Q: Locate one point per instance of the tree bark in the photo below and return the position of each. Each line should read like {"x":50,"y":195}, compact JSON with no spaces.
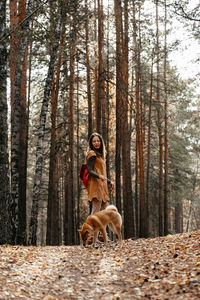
{"x":96,"y":66}
{"x":18,"y":111}
{"x":52,"y":237}
{"x":143,"y":222}
{"x":4,"y":164}
{"x":129,"y":230}
{"x":149,"y":140}
{"x":137,"y":206}
{"x":166,"y":131}
{"x":23,"y":145}
{"x":70,"y":198}
{"x":53,"y":222}
{"x":77,"y":240}
{"x":13,"y":205}
{"x":101,"y":122}
{"x":119,"y":43}
{"x":108,"y":103}
{"x":89,"y":97}
{"x":41,"y":134}
{"x":13,"y":48}
{"x":160,"y":138}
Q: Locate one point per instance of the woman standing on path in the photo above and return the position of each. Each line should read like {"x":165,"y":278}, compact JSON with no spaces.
{"x":98,"y":182}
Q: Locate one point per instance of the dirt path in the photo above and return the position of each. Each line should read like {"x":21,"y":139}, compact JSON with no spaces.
{"x":160,"y":268}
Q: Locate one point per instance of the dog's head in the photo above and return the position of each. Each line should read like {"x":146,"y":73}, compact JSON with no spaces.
{"x":86,"y":232}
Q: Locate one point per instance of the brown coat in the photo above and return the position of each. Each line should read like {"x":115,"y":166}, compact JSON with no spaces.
{"x":96,"y":187}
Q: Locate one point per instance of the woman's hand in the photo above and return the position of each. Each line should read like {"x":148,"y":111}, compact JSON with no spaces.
{"x":103,"y":178}
{"x":112,"y":185}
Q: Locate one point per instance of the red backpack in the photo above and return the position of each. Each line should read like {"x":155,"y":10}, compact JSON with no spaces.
{"x":84,"y":175}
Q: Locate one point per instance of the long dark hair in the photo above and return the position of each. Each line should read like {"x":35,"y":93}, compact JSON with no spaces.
{"x":101,"y":151}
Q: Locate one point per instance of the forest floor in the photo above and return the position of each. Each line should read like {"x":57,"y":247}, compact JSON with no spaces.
{"x":160,"y":268}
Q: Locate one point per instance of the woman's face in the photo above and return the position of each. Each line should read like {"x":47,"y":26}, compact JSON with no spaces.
{"x":96,"y":142}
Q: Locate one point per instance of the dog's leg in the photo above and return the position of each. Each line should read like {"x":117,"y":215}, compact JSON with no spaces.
{"x":116,"y":229}
{"x":111,"y":227}
{"x":119,"y":235}
{"x":103,"y":231}
{"x":95,"y":237}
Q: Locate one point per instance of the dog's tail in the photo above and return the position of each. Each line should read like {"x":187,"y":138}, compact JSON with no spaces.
{"x":112,"y":207}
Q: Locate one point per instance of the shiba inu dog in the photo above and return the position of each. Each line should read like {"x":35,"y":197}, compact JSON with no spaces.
{"x":97,"y":222}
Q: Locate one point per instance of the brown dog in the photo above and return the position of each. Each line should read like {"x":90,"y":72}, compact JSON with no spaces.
{"x":97,"y":223}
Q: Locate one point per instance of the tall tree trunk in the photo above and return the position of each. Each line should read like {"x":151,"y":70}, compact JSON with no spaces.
{"x":53,"y":222}
{"x":101,"y":123}
{"x":41,"y":134}
{"x":137,"y":206}
{"x":96,"y":66}
{"x":4,"y":169}
{"x":30,"y":56}
{"x":140,"y":152}
{"x":18,"y":197}
{"x":52,"y":237}
{"x":90,"y":126}
{"x":129,"y":229}
{"x":119,"y":43}
{"x":77,"y":240}
{"x":89,"y":97}
{"x":166,"y":131}
{"x":134,"y":58}
{"x":149,"y":140}
{"x":21,"y":232}
{"x":108,"y":101}
{"x":66,"y":148}
{"x":143,"y":222}
{"x":14,"y":38}
{"x":70,"y":217}
{"x":13,"y":48}
{"x":70,"y":199}
{"x":160,"y":197}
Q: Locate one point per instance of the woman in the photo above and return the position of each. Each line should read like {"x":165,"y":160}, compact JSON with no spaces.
{"x":98,"y":182}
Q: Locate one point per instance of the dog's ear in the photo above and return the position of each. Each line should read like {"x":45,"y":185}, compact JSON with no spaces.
{"x":89,"y":228}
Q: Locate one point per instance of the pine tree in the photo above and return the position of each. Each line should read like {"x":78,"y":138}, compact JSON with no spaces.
{"x":4,"y":166}
{"x":41,"y":132}
{"x":18,"y":136}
